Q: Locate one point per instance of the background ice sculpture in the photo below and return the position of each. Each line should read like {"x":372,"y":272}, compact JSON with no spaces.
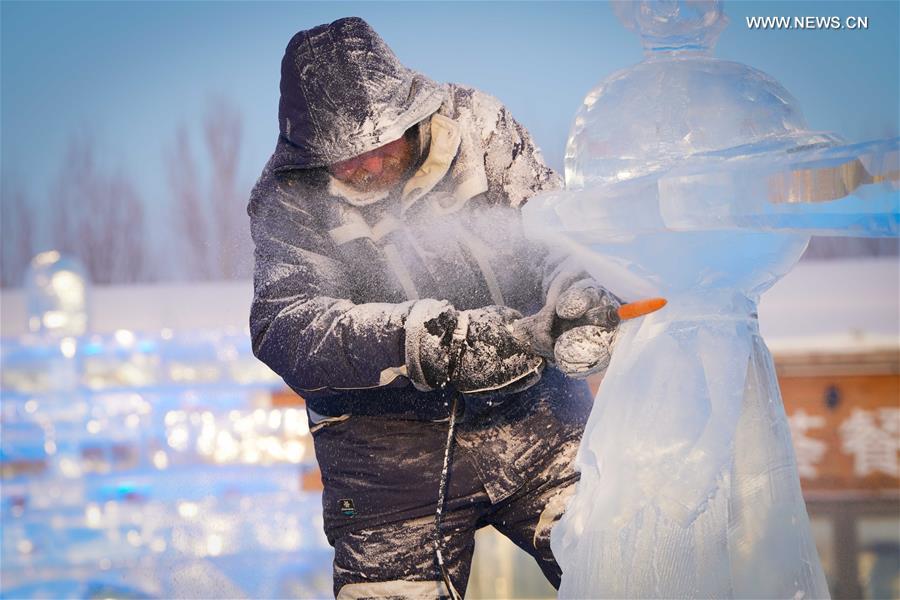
{"x":695,"y":179}
{"x":57,"y":288}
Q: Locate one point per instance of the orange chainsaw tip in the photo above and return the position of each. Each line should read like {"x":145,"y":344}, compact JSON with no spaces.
{"x":640,"y":308}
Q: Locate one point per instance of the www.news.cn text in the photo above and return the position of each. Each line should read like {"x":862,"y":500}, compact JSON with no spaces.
{"x":833,"y":22}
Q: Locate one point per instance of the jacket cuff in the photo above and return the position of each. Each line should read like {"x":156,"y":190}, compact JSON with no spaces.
{"x":427,"y":343}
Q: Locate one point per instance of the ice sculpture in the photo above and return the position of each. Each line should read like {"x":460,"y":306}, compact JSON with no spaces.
{"x":695,"y":179}
{"x":57,"y":290}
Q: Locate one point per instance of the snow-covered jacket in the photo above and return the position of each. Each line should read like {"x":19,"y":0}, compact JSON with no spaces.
{"x":341,"y":277}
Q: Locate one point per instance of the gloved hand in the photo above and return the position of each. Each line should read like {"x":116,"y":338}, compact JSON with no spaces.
{"x":474,"y":351}
{"x":588,"y":325}
{"x":491,"y":358}
{"x":575,"y":329}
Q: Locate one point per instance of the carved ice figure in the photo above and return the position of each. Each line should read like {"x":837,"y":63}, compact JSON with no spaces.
{"x":56,"y":289}
{"x":695,"y":179}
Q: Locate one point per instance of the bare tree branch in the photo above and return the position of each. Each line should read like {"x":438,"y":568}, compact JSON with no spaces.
{"x":223,"y":131}
{"x":99,"y":218}
{"x":211,"y":219}
{"x":17,"y":231}
{"x":190,"y":212}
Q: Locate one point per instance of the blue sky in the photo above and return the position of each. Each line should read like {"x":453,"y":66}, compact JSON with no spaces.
{"x":128,"y":74}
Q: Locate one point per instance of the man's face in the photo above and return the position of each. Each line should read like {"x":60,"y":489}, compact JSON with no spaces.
{"x":379,"y":169}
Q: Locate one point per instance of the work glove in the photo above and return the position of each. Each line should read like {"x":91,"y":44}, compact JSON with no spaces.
{"x":588,"y":323}
{"x":474,"y":351}
{"x":575,"y":329}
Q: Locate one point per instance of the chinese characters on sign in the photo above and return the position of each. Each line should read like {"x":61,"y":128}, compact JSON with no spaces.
{"x":872,"y":438}
{"x":808,"y":449}
{"x":845,"y":431}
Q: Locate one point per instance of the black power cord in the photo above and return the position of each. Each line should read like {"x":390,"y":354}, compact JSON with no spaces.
{"x":442,"y":498}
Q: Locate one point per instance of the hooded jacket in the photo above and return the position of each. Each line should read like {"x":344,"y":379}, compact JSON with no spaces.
{"x":341,"y":279}
{"x":343,"y":93}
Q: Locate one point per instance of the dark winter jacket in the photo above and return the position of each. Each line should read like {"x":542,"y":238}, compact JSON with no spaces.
{"x":341,"y":278}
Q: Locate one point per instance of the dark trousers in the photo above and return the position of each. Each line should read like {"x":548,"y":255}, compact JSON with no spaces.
{"x":512,"y":469}
{"x":383,"y":560}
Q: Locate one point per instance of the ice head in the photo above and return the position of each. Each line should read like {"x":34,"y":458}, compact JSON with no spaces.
{"x":673,"y":25}
{"x":682,"y":171}
{"x":669,"y":108}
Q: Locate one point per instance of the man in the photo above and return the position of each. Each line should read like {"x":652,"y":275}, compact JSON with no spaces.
{"x":391,"y":274}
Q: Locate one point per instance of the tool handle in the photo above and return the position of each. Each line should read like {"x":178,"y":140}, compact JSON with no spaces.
{"x":609,"y":317}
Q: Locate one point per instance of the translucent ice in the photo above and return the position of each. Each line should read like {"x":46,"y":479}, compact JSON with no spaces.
{"x":57,"y":290}
{"x":695,"y":179}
